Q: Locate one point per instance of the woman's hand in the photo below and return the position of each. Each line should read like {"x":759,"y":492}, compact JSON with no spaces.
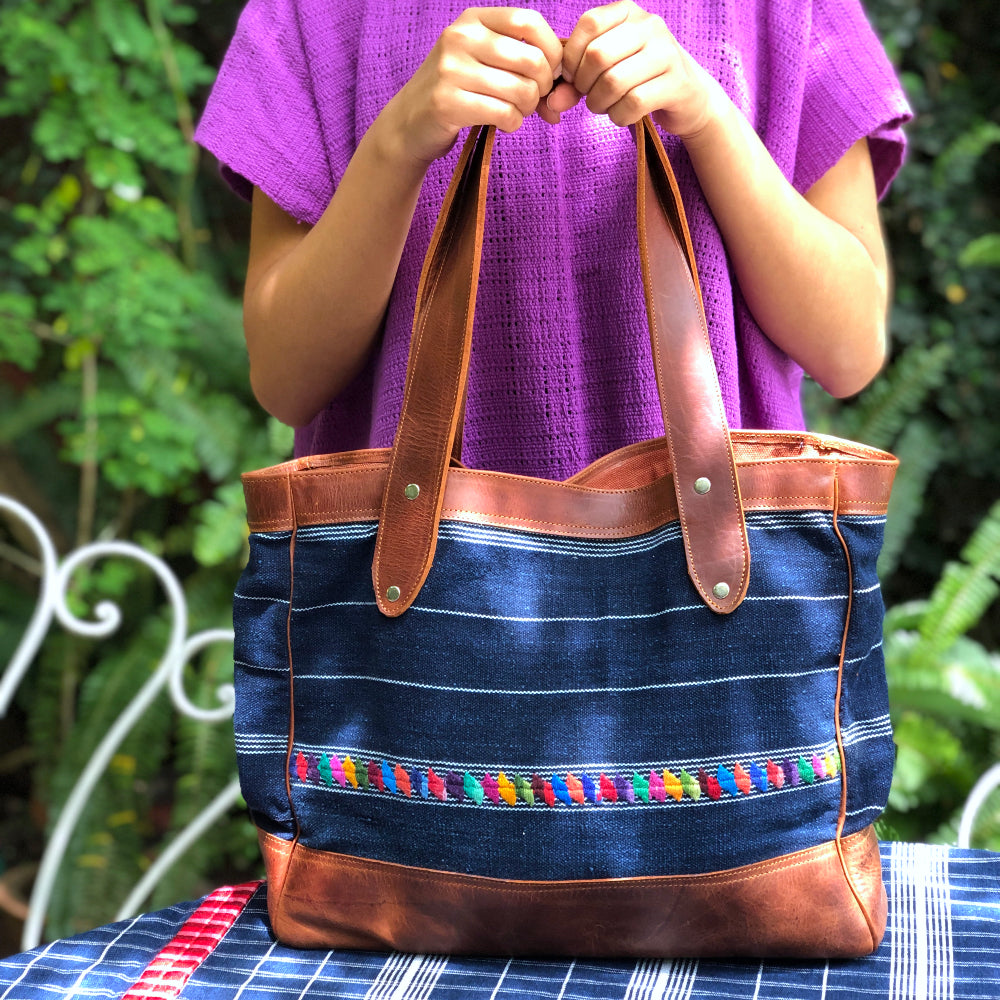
{"x":627,"y":64}
{"x":812,"y":268}
{"x":492,"y":66}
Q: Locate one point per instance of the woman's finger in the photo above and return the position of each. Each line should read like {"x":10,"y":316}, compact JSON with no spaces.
{"x":592,"y":24}
{"x":616,"y":83}
{"x":524,"y":26}
{"x":510,"y":55}
{"x":563,"y":97}
{"x":609,"y":49}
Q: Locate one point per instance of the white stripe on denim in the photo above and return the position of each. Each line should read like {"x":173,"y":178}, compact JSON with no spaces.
{"x":251,"y":744}
{"x":508,"y":618}
{"x":549,"y":692}
{"x":876,"y":809}
{"x":407,"y":977}
{"x":387,"y":975}
{"x":587,"y":550}
{"x":600,"y":548}
{"x":859,"y":659}
{"x":557,"y":619}
{"x":278,"y":668}
{"x":922,"y":964}
{"x":866,"y":729}
{"x":344,"y":532}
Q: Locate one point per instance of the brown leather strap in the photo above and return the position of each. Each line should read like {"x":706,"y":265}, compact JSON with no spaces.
{"x":436,"y":372}
{"x":694,"y":416}
{"x":693,"y":413}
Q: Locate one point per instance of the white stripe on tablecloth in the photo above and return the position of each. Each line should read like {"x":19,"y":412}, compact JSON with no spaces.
{"x":252,"y":978}
{"x":922,"y":963}
{"x":669,"y":980}
{"x":661,"y":980}
{"x":503,"y":976}
{"x":569,"y":973}
{"x":407,"y":977}
{"x":398,"y":969}
{"x":73,"y":990}
{"x":315,"y":976}
{"x":28,"y":966}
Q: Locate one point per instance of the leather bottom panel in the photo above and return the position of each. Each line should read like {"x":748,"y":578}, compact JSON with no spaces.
{"x":816,"y":903}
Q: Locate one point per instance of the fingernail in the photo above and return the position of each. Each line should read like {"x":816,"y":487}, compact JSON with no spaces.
{"x":567,"y":76}
{"x":557,"y":72}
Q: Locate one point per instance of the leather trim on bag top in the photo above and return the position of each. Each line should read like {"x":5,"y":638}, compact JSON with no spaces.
{"x":625,"y":497}
{"x":797,"y":905}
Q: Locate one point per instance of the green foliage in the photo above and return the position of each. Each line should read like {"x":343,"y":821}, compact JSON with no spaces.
{"x":945,"y":692}
{"x":935,"y":408}
{"x":941,"y":225}
{"x":121,"y":353}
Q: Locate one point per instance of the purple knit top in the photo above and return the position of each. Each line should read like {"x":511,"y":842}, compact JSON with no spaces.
{"x":561,"y":372}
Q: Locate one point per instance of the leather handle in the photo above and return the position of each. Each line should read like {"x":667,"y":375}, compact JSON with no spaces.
{"x":712,"y":519}
{"x":694,"y":415}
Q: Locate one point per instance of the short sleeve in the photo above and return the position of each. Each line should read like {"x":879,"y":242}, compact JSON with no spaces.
{"x":851,"y":92}
{"x":262,"y":121}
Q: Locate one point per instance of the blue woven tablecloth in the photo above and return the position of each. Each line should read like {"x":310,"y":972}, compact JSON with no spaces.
{"x":942,"y":943}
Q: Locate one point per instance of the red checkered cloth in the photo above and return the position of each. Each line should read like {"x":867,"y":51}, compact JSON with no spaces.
{"x":168,"y":973}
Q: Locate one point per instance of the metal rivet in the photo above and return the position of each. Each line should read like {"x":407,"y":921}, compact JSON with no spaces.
{"x":411,"y":492}
{"x":392,"y":593}
{"x":721,"y":590}
{"x":702,"y":485}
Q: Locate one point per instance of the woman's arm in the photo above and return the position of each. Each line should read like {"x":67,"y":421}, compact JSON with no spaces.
{"x":315,"y":296}
{"x":812,"y":269}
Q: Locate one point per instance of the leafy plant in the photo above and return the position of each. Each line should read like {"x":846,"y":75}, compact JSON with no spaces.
{"x":935,"y":408}
{"x":122,"y":363}
{"x":945,"y":693}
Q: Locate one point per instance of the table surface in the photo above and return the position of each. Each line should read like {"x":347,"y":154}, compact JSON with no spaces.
{"x":942,"y":943}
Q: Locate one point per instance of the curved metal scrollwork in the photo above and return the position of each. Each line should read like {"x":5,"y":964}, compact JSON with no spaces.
{"x":53,"y":603}
{"x":981,"y":791}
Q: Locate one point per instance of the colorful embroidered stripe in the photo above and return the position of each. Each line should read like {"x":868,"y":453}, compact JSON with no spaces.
{"x":570,"y":789}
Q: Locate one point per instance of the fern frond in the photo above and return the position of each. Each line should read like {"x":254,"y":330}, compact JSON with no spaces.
{"x":919,"y":454}
{"x":883,"y":409}
{"x":966,"y":589}
{"x":955,"y":166}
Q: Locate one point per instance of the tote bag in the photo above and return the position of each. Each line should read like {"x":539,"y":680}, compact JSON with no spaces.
{"x":641,"y":712}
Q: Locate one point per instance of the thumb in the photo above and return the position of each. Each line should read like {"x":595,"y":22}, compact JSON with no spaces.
{"x":562,"y":97}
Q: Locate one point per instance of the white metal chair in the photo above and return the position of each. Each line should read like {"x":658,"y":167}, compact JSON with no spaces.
{"x":52,"y":604}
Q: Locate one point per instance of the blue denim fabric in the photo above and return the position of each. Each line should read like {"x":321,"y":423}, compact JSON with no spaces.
{"x":544,"y":656}
{"x":260,"y":651}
